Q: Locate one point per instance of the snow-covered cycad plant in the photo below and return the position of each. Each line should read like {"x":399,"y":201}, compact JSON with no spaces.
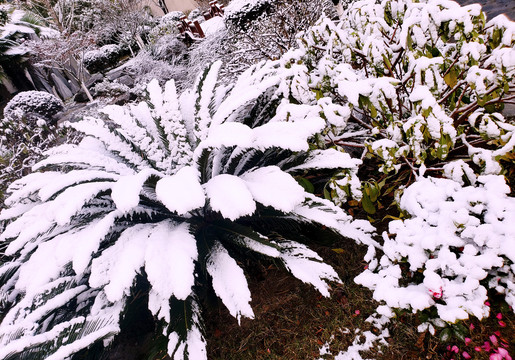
{"x":176,"y":193}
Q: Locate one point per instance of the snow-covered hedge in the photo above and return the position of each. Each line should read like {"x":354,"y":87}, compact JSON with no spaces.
{"x":27,"y":129}
{"x":241,"y":13}
{"x":423,"y":84}
{"x":108,"y":88}
{"x":38,"y":103}
{"x":103,"y":58}
{"x":168,"y":25}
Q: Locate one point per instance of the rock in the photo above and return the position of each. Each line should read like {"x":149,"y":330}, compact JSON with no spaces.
{"x":116,"y":73}
{"x":61,"y":86}
{"x":74,"y":85}
{"x":122,"y":99}
{"x":94,"y":79}
{"x":40,"y":79}
{"x":126,"y":80}
{"x":81,"y":97}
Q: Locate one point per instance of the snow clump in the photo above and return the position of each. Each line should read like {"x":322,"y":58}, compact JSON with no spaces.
{"x":458,"y":243}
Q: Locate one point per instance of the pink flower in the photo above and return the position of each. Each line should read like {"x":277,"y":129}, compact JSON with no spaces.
{"x":502,"y":324}
{"x":487,"y":303}
{"x":495,"y":356}
{"x":498,"y":333}
{"x":499,"y":316}
{"x":437,"y":294}
{"x":467,"y":341}
{"x":357,"y":312}
{"x":486,"y":346}
{"x":478,"y":349}
{"x":466,"y":355}
{"x":493,"y":339}
{"x":455,"y":349}
{"x":472,"y":327}
{"x":504,"y":353}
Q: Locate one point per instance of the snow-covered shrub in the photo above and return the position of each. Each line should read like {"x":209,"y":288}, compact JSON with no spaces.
{"x":415,"y":83}
{"x":27,"y":129}
{"x":422,"y":84}
{"x":108,"y":88}
{"x":207,"y":51}
{"x":266,"y":29}
{"x":418,"y":87}
{"x":172,"y":17}
{"x":241,"y":13}
{"x":3,"y":16}
{"x":103,"y":58}
{"x":177,"y":190}
{"x":168,"y":25}
{"x":145,"y":67}
{"x":196,"y":15}
{"x":458,"y":244}
{"x":39,"y":103}
{"x":169,"y":48}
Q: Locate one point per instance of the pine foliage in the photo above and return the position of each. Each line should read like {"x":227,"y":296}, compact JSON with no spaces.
{"x":176,"y":189}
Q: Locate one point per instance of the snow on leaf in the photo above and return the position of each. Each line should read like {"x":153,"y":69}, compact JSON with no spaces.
{"x":328,"y":159}
{"x":206,"y":85}
{"x":230,"y":196}
{"x":72,"y":178}
{"x":229,"y":282}
{"x":169,"y":263}
{"x":97,"y":128}
{"x":181,"y":192}
{"x":307,"y":266}
{"x":229,"y":134}
{"x":126,"y":191}
{"x":27,"y":186}
{"x":271,"y":186}
{"x":117,"y":266}
{"x":192,"y":344}
{"x":90,"y":154}
{"x":273,"y":134}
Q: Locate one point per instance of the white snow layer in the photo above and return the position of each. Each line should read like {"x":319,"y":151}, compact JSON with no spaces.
{"x":271,"y":186}
{"x":458,"y":236}
{"x":229,"y":282}
{"x":165,"y":250}
{"x":213,"y":25}
{"x":307,"y":266}
{"x":230,"y":196}
{"x":182,"y":191}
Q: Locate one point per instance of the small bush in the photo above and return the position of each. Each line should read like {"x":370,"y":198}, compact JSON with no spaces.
{"x":104,"y":58}
{"x":26,"y":131}
{"x":35,"y":104}
{"x":107,"y":88}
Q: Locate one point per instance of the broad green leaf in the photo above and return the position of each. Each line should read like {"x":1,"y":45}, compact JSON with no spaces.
{"x":306,"y":184}
{"x":367,"y":204}
{"x":451,"y":79}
